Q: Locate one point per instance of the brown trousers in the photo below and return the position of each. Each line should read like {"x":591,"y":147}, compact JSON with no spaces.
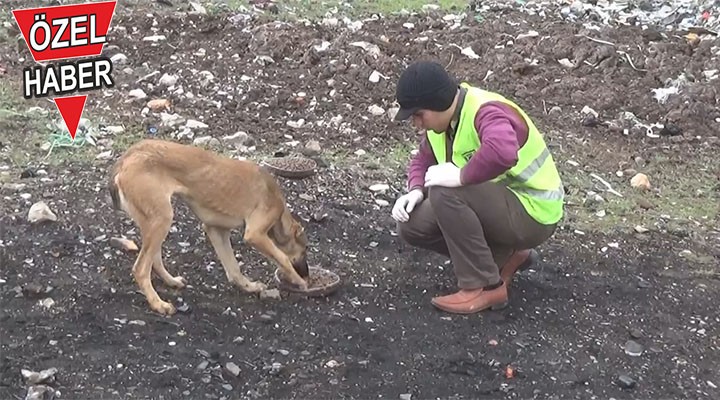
{"x":477,"y":226}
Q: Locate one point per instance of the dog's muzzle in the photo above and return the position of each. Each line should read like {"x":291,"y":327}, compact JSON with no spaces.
{"x":301,"y":267}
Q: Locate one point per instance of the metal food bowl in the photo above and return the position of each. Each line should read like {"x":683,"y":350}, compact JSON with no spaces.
{"x":302,"y":167}
{"x":313,"y":291}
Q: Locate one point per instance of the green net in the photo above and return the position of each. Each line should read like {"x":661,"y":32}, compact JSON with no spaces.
{"x":60,"y":137}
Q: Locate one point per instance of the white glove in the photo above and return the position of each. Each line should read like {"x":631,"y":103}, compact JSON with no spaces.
{"x":405,"y":204}
{"x":446,"y":174}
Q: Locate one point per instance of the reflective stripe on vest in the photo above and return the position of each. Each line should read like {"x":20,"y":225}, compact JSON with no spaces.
{"x":536,"y":183}
{"x":529,"y":172}
{"x":534,"y":166}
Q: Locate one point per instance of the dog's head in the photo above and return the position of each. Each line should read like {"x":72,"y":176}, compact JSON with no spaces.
{"x":289,"y":236}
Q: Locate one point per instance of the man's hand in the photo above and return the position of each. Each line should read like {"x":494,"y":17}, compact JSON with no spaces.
{"x":446,"y":174}
{"x":405,"y":204}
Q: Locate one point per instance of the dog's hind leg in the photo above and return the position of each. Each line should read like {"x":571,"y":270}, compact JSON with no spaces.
{"x":220,"y":240}
{"x":153,"y":216}
{"x":153,"y":234}
{"x":177,"y":282}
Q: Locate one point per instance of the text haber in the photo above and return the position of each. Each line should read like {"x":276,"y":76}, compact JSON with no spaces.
{"x":67,"y":78}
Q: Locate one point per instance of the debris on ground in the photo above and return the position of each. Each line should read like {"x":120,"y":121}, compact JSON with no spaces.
{"x":123,"y":244}
{"x":272,"y":294}
{"x":251,"y":86}
{"x":40,"y":212}
{"x":678,"y":14}
{"x":44,"y":376}
{"x":640,"y":181}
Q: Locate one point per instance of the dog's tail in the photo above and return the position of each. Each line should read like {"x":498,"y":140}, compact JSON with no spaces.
{"x":114,"y":189}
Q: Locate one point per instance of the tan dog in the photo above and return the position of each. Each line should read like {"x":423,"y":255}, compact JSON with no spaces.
{"x":223,"y":193}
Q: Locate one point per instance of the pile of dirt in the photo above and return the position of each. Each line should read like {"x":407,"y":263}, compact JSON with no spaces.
{"x":268,"y":76}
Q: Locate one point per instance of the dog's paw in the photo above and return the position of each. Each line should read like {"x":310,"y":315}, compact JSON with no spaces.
{"x":301,"y":284}
{"x":163,"y":307}
{"x":177,"y":282}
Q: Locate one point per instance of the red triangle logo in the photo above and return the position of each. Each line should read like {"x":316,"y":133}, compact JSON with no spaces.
{"x":71,"y":109}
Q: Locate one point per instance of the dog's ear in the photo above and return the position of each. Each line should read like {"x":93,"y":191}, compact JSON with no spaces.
{"x":297,"y":228}
{"x":295,"y":216}
{"x":279,"y":234}
{"x":299,"y":223}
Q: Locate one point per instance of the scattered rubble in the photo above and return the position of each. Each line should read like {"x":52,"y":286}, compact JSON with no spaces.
{"x":123,"y":244}
{"x":679,"y":14}
{"x":233,"y":368}
{"x":626,"y":382}
{"x":44,"y":376}
{"x":157,"y":105}
{"x":271,"y":294}
{"x":640,"y":181}
{"x":238,"y":84}
{"x":40,"y":212}
{"x":137,"y":94}
{"x":208,"y":141}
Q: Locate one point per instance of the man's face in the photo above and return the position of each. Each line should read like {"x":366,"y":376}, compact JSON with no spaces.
{"x":428,"y":119}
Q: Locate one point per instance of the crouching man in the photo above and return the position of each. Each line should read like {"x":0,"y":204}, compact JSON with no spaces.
{"x":483,"y":188}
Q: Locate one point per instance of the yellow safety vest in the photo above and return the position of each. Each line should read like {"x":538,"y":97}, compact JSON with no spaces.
{"x":534,"y":179}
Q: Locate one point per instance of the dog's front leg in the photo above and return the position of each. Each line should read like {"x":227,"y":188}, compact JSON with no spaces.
{"x":220,"y":240}
{"x":177,"y":282}
{"x":260,"y":241}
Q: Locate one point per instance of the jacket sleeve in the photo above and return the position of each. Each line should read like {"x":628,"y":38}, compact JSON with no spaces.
{"x":500,"y":130}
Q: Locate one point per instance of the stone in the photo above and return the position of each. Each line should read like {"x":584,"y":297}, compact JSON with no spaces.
{"x":312,"y":148}
{"x":118,"y":59}
{"x":272,"y":294}
{"x":626,"y":382}
{"x":233,"y":368}
{"x":157,"y":105}
{"x":168,"y":80}
{"x":193,"y":124}
{"x":376,"y":110}
{"x":633,"y":348}
{"x":40,"y":212}
{"x":640,"y":181}
{"x":123,"y":244}
{"x":238,"y":138}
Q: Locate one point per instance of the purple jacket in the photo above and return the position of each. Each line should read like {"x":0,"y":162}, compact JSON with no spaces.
{"x":502,"y":131}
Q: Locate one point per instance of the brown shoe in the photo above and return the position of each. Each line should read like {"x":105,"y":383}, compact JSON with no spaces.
{"x":519,"y":260}
{"x":472,"y":301}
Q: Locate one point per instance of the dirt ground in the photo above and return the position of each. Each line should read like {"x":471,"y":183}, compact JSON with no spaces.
{"x":600,"y":284}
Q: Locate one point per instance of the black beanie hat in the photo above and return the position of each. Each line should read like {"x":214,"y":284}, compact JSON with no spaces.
{"x":424,"y":85}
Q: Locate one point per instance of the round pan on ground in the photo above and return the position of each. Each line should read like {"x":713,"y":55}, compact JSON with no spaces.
{"x":321,"y":282}
{"x":291,"y":167}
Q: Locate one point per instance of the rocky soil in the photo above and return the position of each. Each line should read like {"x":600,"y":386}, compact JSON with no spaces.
{"x":618,"y":311}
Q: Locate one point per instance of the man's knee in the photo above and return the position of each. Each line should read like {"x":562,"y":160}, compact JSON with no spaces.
{"x":408,"y":232}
